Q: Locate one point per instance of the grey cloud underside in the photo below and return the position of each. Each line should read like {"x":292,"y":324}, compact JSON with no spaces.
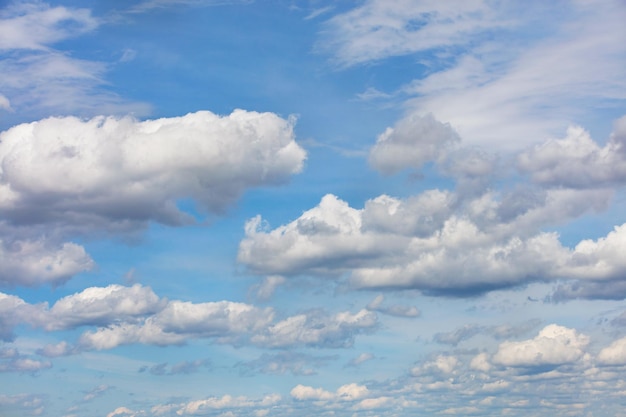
{"x":458,"y":243}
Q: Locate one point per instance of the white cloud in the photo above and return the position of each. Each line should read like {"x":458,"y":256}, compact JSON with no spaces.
{"x":14,"y":311}
{"x":201,"y":407}
{"x":37,"y":262}
{"x":5,"y":103}
{"x":379,"y":29}
{"x":514,"y":85}
{"x":40,"y":80}
{"x":480,"y":362}
{"x":111,"y":173}
{"x":348,"y":392}
{"x":554,"y":345}
{"x":475,"y":247}
{"x":179,"y":321}
{"x":614,"y":354}
{"x":373,"y":403}
{"x":414,"y":141}
{"x":577,"y":161}
{"x":123,"y":411}
{"x":36,"y":25}
{"x":442,"y":364}
{"x":103,"y":305}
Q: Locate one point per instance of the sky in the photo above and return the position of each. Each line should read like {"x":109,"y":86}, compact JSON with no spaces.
{"x":293,"y":208}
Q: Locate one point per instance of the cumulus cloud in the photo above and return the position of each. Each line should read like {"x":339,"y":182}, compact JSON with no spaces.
{"x":136,"y":315}
{"x":487,"y":243}
{"x":441,"y":365}
{"x":119,"y":173}
{"x":348,"y":392}
{"x":554,"y":346}
{"x":413,"y":142}
{"x":577,"y":161}
{"x":123,"y":411}
{"x":99,"y":306}
{"x":36,"y":262}
{"x":63,"y":176}
{"x":614,"y":354}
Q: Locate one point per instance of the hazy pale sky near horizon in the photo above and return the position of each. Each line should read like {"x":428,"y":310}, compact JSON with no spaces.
{"x":294,"y":208}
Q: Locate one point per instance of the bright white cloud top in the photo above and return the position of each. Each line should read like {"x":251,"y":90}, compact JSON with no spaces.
{"x":379,"y":208}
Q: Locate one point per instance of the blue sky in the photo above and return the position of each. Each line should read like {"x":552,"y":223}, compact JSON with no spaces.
{"x":368,"y":208}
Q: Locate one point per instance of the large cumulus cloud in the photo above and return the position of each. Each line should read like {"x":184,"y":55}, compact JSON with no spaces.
{"x":457,"y":242}
{"x":455,"y":255}
{"x":119,"y":172}
{"x":61,"y":177}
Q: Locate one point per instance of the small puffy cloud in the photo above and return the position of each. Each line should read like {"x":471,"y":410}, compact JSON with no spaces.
{"x":317,"y":329}
{"x":98,"y":306}
{"x":36,"y":262}
{"x":480,"y":362}
{"x":373,"y":403}
{"x":348,"y":392}
{"x":441,"y":365}
{"x":304,"y":393}
{"x":577,"y":161}
{"x":202,"y":407}
{"x":413,"y":142}
{"x":554,"y":346}
{"x":124,"y":412}
{"x":614,"y":354}
{"x":117,"y":174}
